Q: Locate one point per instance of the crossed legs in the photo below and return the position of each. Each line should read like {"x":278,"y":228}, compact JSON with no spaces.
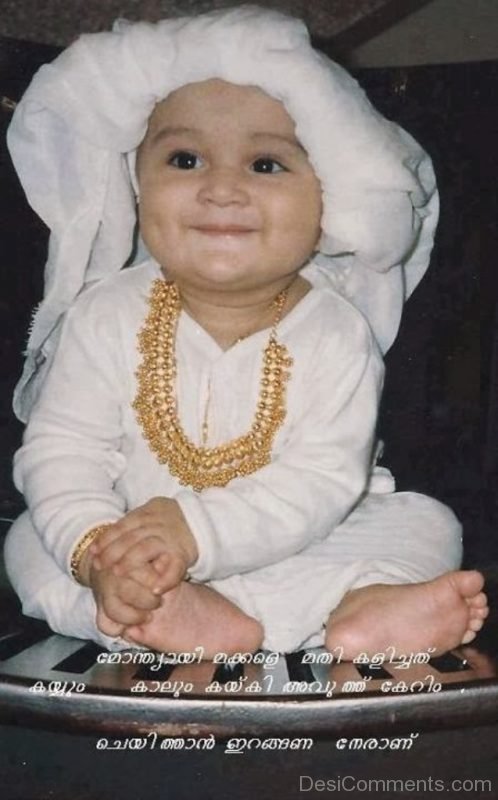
{"x":388,"y":576}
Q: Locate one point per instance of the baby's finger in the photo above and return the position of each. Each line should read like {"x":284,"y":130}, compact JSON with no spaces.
{"x":118,"y":547}
{"x":113,"y":532}
{"x":161,"y":563}
{"x":132,"y":593}
{"x":104,"y":539}
{"x":107,"y":625}
{"x":141,"y":553}
{"x":123,"y":613}
{"x":171,"y":571}
{"x":146,"y":576}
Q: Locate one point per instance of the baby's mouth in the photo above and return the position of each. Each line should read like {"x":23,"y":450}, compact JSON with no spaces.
{"x":224,"y":230}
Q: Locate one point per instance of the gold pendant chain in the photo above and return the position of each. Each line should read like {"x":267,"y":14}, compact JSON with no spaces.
{"x":156,"y":409}
{"x":205,"y":426}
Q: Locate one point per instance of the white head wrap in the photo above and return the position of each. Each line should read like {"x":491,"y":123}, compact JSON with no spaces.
{"x":83,"y":115}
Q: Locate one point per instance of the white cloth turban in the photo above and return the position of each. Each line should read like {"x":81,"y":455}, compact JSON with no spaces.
{"x":83,"y":115}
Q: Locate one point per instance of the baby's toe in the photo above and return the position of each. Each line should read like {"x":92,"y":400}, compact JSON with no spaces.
{"x":468,"y":637}
{"x":478,"y":601}
{"x":479,"y":613}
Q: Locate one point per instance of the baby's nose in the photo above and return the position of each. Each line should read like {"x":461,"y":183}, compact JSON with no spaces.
{"x":223,"y":187}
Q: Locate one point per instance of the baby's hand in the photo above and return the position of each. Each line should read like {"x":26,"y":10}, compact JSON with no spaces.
{"x":121,"y":601}
{"x":155,"y":534}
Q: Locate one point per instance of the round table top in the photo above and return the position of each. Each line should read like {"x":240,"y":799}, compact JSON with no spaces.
{"x":57,"y":682}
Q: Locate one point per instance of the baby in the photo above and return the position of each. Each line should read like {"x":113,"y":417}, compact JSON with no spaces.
{"x":198,"y":463}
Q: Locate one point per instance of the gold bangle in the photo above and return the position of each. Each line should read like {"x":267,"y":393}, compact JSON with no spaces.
{"x":81,"y":548}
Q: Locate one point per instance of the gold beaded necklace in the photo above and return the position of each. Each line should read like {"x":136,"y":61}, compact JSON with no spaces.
{"x":156,"y":407}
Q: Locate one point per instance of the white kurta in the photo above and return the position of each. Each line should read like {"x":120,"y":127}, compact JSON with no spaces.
{"x":85,"y":461}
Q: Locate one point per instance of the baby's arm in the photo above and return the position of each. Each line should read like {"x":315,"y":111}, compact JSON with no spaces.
{"x":71,"y":456}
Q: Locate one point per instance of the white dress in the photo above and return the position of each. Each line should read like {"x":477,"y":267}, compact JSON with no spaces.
{"x":284,"y":543}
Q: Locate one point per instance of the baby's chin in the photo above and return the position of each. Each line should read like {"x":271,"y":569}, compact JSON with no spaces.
{"x":218,"y":274}
{"x":225,"y":264}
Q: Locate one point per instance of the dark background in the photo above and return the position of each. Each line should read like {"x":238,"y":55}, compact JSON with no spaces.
{"x":439,"y":415}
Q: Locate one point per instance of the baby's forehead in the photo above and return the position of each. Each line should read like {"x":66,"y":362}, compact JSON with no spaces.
{"x":205,"y":102}
{"x":212,"y":87}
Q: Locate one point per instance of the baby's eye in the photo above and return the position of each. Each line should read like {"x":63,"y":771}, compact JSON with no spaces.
{"x":183,"y":159}
{"x":267,"y":166}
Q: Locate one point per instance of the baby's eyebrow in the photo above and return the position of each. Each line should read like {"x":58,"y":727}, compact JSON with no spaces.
{"x":281,"y":137}
{"x":172,"y":130}
{"x":179,"y":130}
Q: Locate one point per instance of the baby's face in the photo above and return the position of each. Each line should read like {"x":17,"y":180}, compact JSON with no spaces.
{"x":228,"y":198}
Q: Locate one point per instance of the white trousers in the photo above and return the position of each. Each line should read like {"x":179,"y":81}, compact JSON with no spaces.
{"x":390,"y":538}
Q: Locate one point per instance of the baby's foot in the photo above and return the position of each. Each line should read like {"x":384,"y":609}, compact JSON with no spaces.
{"x":442,"y":614}
{"x":193,"y":615}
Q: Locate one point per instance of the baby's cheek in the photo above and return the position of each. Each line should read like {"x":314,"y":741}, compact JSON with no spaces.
{"x":155,"y":232}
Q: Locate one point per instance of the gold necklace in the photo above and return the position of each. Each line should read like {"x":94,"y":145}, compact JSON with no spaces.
{"x":156,"y":408}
